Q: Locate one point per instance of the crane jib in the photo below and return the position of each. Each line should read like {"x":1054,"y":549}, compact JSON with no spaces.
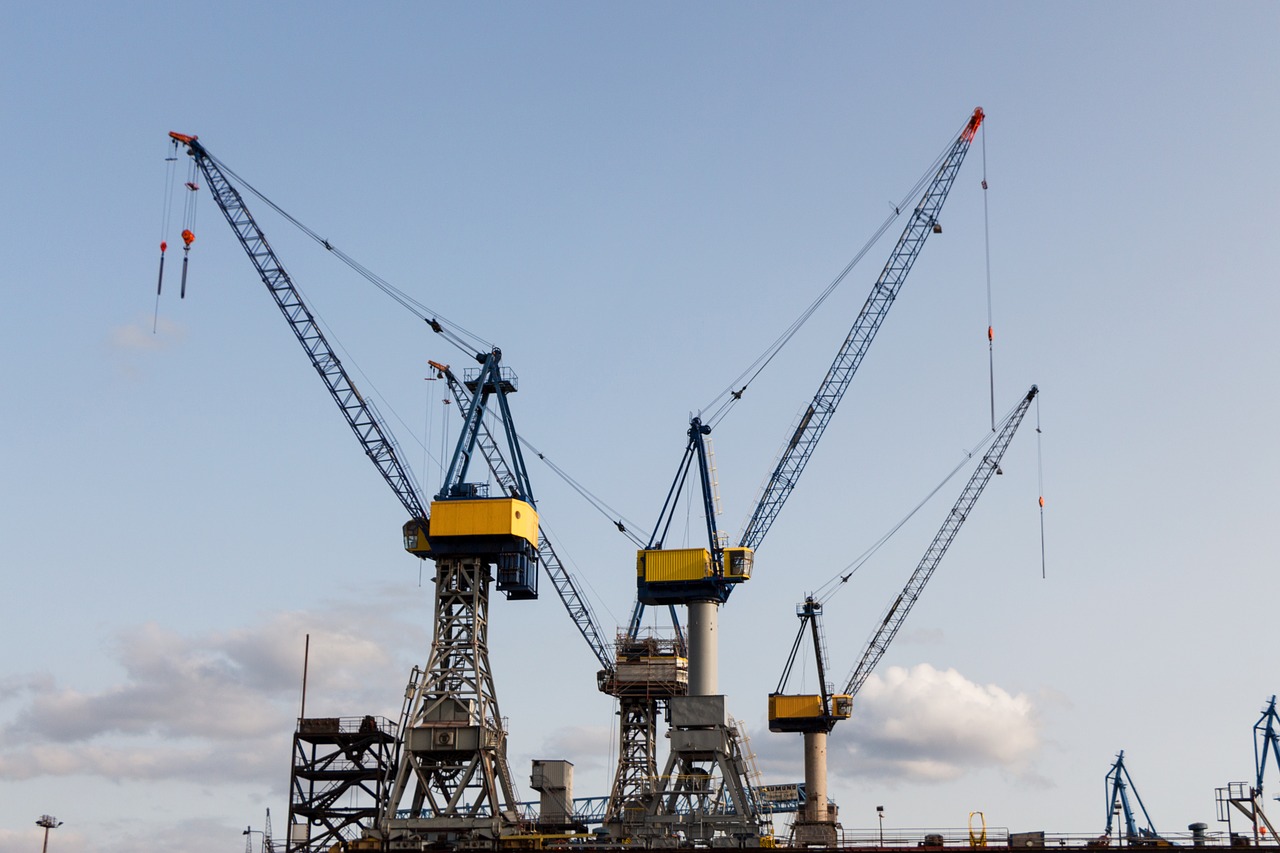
{"x":921,"y":224}
{"x":955,"y":519}
{"x":360,"y":414}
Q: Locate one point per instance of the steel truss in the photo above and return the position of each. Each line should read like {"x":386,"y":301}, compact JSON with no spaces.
{"x":452,"y":777}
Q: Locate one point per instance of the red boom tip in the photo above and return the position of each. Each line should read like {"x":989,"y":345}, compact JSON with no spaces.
{"x":975,"y":121}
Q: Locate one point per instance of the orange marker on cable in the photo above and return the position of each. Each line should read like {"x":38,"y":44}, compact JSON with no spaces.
{"x":188,"y":238}
{"x":160,"y":280}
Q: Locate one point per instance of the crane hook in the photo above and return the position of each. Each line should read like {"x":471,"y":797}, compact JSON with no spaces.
{"x":187,"y":238}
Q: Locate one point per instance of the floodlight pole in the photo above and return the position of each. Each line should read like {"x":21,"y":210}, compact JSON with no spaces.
{"x":49,"y":822}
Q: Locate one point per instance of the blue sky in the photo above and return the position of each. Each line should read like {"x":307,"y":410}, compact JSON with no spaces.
{"x":632,"y":200}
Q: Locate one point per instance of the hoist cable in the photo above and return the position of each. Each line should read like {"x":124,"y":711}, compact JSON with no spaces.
{"x":986,"y":225}
{"x":466,"y":341}
{"x":349,"y":359}
{"x":624,"y":524}
{"x":424,"y":476}
{"x":189,"y":222}
{"x":832,"y":586}
{"x":581,"y":578}
{"x":166,"y":217}
{"x":1040,"y":478}
{"x":726,"y":398}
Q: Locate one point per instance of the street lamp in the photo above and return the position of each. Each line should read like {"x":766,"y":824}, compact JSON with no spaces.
{"x":49,"y":822}
{"x":880,"y":814}
{"x":249,"y":832}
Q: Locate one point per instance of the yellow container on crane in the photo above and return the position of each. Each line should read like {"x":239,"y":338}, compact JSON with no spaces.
{"x":507,"y":517}
{"x":677,"y":564}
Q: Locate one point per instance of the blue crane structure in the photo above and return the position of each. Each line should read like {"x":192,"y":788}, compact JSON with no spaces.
{"x":815,"y":715}
{"x":701,"y":579}
{"x":1266,"y":742}
{"x":643,"y":673}
{"x":1118,"y":785}
{"x":1247,"y":797}
{"x":450,"y":773}
{"x":691,"y":580}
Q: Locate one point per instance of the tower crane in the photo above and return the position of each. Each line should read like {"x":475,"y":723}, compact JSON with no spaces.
{"x":815,"y":715}
{"x":452,"y":779}
{"x":701,"y":579}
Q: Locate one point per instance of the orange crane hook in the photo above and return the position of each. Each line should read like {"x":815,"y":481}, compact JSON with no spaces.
{"x":187,"y":238}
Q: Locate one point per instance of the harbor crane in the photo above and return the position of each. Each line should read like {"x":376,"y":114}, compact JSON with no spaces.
{"x":451,"y":777}
{"x":1247,"y":797}
{"x":704,"y":746}
{"x":1118,"y":785}
{"x":815,"y":715}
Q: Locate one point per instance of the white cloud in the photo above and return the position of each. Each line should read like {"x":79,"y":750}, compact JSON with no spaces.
{"x":926,"y":724}
{"x":250,"y":761}
{"x":214,"y":708}
{"x":919,"y":724}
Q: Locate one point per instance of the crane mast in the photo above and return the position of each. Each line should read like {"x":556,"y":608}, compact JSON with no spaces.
{"x":815,"y":715}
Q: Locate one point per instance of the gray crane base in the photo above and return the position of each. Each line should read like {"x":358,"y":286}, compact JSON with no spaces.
{"x":698,"y":712}
{"x":814,"y":833}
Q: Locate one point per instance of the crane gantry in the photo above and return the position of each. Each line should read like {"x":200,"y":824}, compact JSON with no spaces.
{"x":815,"y":715}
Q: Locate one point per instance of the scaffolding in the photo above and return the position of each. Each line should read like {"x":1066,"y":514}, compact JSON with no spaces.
{"x":339,"y":777}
